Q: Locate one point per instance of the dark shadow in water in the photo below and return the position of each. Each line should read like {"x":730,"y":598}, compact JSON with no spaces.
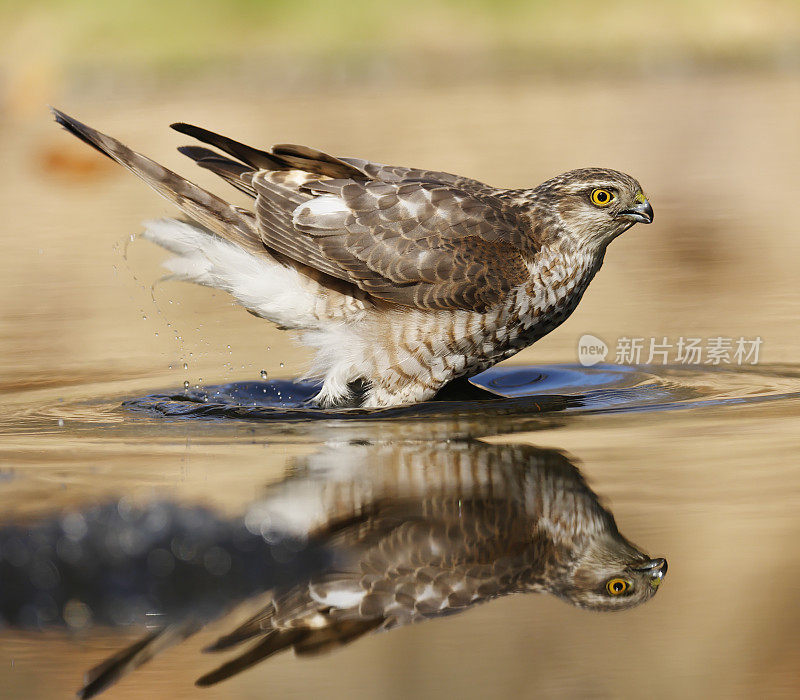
{"x":126,"y":564}
{"x":359,"y":538}
{"x":283,"y":400}
{"x":526,"y":398}
{"x":500,"y":391}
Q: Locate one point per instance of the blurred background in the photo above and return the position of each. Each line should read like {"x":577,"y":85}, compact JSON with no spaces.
{"x":698,"y":100}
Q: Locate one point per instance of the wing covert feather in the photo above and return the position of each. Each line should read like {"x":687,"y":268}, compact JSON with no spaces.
{"x":420,"y":244}
{"x":412,"y":237}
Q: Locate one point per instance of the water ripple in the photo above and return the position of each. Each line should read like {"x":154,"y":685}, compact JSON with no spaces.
{"x":516,"y":390}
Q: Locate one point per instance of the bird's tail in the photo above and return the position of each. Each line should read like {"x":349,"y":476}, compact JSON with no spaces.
{"x":224,"y":251}
{"x":215,"y":214}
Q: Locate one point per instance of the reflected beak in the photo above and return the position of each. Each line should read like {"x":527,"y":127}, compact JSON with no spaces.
{"x":656,"y":569}
{"x":642,"y":213}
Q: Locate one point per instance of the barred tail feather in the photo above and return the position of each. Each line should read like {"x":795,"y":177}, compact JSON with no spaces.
{"x":222,"y":248}
{"x":212,"y":212}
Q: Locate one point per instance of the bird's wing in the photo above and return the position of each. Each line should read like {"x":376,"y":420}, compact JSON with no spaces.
{"x":400,"y":173}
{"x":291,"y":157}
{"x":399,"y":560}
{"x":411,"y":237}
{"x":412,"y":558}
{"x":110,"y":671}
{"x":304,"y":641}
{"x":426,"y":245}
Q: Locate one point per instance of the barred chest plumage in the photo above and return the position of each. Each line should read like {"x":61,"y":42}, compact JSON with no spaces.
{"x":556,"y":286}
{"x":420,"y":352}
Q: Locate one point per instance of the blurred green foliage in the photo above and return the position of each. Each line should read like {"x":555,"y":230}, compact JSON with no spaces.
{"x":174,"y":32}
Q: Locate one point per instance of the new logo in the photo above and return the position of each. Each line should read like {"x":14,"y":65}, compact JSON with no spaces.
{"x":591,"y":350}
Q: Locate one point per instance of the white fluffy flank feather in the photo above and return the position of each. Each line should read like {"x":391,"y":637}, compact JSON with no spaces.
{"x":258,"y":282}
{"x":275,"y":292}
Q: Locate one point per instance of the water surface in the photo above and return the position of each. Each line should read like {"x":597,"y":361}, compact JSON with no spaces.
{"x":129,"y":505}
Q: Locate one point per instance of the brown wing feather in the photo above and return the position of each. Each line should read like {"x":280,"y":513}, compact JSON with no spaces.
{"x":410,"y":557}
{"x":420,"y":244}
{"x":282,"y":157}
{"x":272,"y":643}
{"x":275,"y":203}
{"x":305,"y":642}
{"x":400,"y":173}
{"x":237,"y":174}
{"x":407,"y":236}
{"x":110,"y":671}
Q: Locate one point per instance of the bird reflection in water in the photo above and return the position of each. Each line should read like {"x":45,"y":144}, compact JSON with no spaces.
{"x":424,"y":531}
{"x":414,"y":531}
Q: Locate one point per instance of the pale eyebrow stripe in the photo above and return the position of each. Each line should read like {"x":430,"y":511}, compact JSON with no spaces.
{"x":575,"y":189}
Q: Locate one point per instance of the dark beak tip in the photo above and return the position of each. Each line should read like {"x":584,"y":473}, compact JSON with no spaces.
{"x":641,"y":213}
{"x":654,"y":566}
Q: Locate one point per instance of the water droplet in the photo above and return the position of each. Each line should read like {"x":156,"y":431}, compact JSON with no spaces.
{"x":186,"y":385}
{"x":133,"y":237}
{"x":156,"y":334}
{"x":185,"y":365}
{"x":229,"y":347}
{"x":263,"y":374}
{"x":60,"y":422}
{"x":144,"y":317}
{"x":281,"y":364}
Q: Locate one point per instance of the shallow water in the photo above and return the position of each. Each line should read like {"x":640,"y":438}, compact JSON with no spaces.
{"x":518,"y":391}
{"x":128,"y":502}
{"x":151,"y":515}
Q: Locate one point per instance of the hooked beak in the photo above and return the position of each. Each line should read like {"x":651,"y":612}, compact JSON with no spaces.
{"x":656,"y":569}
{"x":642,"y":212}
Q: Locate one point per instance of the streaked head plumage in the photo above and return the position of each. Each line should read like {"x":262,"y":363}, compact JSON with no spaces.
{"x":610,"y":574}
{"x":594,"y":205}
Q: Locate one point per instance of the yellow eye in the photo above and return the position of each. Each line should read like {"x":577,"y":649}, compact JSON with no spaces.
{"x":601,"y":198}
{"x":617,"y":586}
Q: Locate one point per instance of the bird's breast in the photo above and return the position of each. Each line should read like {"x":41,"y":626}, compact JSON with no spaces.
{"x":551,"y":293}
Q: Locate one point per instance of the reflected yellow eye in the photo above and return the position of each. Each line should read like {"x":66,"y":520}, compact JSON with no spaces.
{"x":601,"y":198}
{"x":617,"y":586}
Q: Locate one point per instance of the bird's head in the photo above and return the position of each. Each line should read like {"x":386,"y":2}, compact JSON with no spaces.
{"x":610,"y":574}
{"x":593,"y":206}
